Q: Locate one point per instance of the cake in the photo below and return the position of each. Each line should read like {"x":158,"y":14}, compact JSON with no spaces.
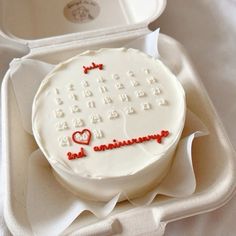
{"x":108,"y":121}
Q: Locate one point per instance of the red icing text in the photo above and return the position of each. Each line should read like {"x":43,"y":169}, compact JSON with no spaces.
{"x":118,"y":144}
{"x":80,"y":154}
{"x":93,"y":66}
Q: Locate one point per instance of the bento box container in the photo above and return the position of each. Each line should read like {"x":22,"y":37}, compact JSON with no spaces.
{"x":41,"y":23}
{"x":213,"y":156}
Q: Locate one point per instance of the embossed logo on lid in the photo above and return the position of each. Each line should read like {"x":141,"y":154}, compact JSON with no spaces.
{"x":81,"y":11}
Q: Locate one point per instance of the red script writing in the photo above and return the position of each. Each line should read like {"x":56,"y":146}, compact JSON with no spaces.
{"x":118,"y":144}
{"x":93,"y":66}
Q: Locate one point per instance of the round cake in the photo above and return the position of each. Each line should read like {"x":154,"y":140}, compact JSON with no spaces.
{"x":108,"y":122}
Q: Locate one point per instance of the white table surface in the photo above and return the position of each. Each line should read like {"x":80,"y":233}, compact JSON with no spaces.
{"x":207,"y":29}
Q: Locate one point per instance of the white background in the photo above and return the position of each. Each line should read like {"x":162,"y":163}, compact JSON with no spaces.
{"x":207,"y":29}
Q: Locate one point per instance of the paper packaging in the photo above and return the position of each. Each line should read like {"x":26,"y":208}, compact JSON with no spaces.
{"x":65,"y":207}
{"x":197,"y":100}
{"x":61,"y":221}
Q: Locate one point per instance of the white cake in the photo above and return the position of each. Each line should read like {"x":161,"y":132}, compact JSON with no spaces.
{"x":109,"y":121}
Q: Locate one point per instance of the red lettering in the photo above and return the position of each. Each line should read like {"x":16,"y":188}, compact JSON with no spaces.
{"x":103,"y":147}
{"x":134,"y":140}
{"x":145,"y":139}
{"x":164,"y":133}
{"x":80,"y":154}
{"x":118,"y":144}
{"x":111,"y":146}
{"x":69,"y":155}
{"x":93,"y":66}
{"x":140,"y":139}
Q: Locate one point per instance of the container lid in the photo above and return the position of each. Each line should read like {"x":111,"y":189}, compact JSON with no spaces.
{"x":41,"y":23}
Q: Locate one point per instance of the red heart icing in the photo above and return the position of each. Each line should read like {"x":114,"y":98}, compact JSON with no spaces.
{"x":82,"y":137}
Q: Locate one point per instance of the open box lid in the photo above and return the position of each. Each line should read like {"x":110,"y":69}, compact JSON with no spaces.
{"x":41,"y":23}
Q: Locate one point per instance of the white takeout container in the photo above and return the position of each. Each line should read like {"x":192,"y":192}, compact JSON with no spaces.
{"x":31,"y":24}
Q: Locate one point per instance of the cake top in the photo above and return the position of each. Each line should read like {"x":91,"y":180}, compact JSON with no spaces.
{"x":108,"y":113}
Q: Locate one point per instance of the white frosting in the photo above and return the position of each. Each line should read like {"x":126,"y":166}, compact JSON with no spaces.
{"x":132,"y":96}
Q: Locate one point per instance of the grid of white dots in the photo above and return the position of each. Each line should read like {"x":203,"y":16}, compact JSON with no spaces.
{"x":75,"y":108}
{"x":113,"y":114}
{"x":71,"y":87}
{"x":104,"y":89}
{"x":58,"y":101}
{"x":61,"y":125}
{"x":64,"y":141}
{"x":98,"y":133}
{"x":77,"y":122}
{"x":91,"y":104}
{"x":100,"y":80}
{"x":84,"y":83}
{"x":73,"y":96}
